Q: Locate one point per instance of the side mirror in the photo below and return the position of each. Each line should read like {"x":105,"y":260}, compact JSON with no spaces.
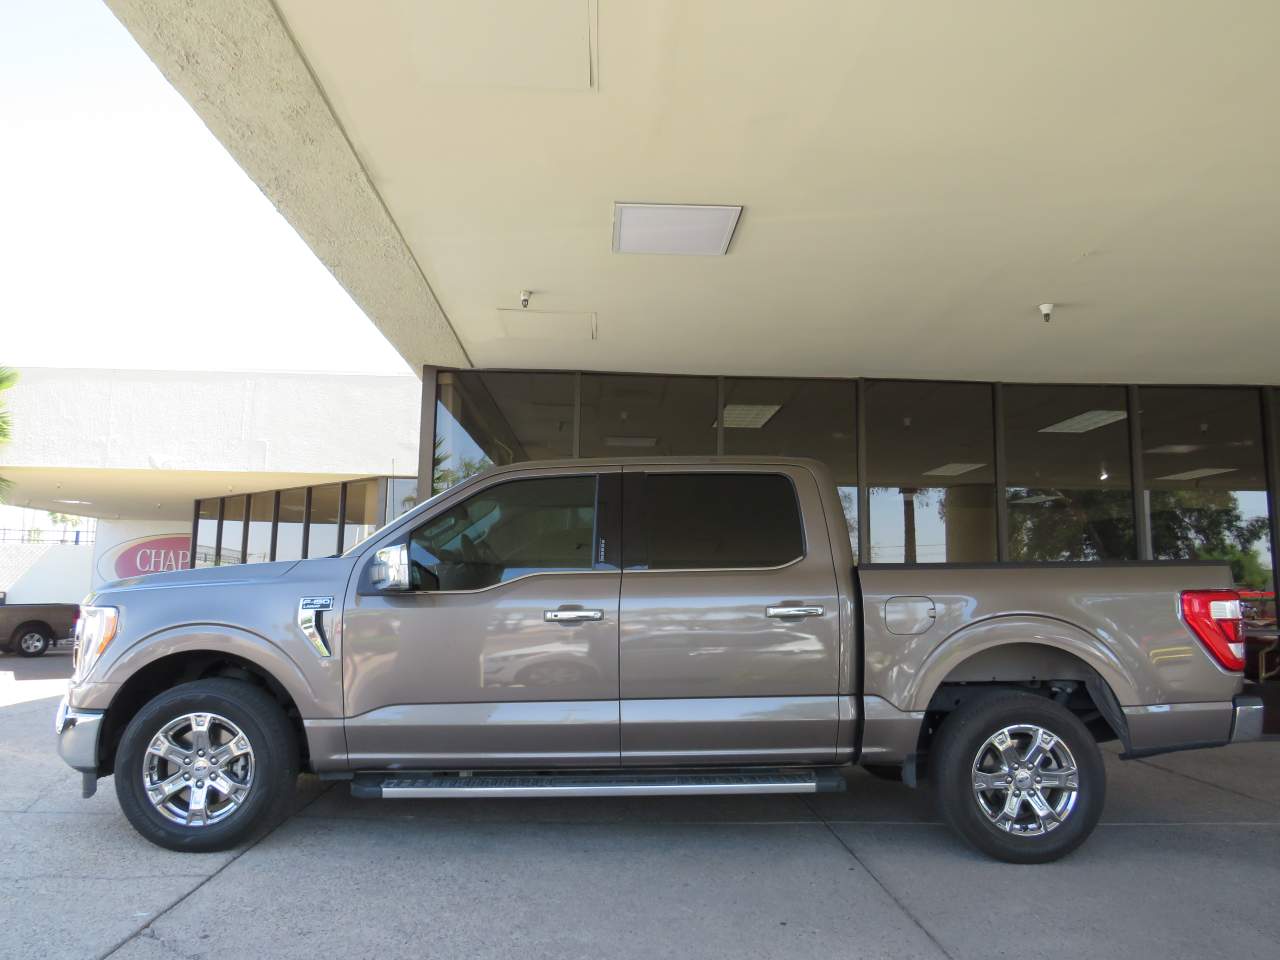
{"x":389,"y":571}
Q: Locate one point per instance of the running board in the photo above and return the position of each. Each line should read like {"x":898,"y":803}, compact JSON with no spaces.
{"x":372,"y":786}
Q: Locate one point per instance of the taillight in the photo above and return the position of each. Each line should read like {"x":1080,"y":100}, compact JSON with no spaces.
{"x":1214,"y":616}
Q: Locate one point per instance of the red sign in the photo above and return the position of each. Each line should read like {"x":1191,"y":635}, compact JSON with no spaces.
{"x":153,"y":555}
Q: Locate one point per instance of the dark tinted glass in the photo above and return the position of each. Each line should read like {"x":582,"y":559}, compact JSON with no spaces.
{"x":507,"y":531}
{"x":696,"y":521}
{"x":261,"y":508}
{"x":206,"y":532}
{"x":363,"y":515}
{"x":232,"y":530}
{"x":799,"y":418}
{"x":1203,"y":461}
{"x":487,"y":419}
{"x":1068,"y":492}
{"x":322,"y":535}
{"x":931,"y":474}
{"x":293,"y":510}
{"x":629,"y":416}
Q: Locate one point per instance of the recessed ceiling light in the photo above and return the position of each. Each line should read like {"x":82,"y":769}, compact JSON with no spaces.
{"x":747,"y":416}
{"x":76,"y":502}
{"x":1177,"y":448}
{"x":1038,"y":498}
{"x":1084,"y":422}
{"x":673,"y":228}
{"x":630,"y":441}
{"x":1198,"y":474}
{"x":953,"y":469}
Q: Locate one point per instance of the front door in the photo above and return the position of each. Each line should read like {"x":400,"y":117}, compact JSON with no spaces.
{"x":730,"y":644}
{"x":506,"y":651}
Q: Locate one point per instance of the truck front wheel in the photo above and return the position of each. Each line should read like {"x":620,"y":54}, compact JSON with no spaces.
{"x":1018,"y":776}
{"x":204,"y":764}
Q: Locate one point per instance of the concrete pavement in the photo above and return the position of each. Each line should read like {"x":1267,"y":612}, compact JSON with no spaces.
{"x":1186,"y":864}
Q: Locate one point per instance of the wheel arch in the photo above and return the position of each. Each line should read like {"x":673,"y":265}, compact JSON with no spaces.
{"x":44,"y":625}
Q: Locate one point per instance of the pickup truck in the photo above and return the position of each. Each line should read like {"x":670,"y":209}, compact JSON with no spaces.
{"x":30,"y":629}
{"x":645,"y":627}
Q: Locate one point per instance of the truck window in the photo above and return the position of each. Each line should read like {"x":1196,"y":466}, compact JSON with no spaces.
{"x":507,"y":531}
{"x":708,"y":521}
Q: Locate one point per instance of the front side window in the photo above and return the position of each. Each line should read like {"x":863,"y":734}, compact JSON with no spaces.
{"x":709,"y":521}
{"x":507,"y":531}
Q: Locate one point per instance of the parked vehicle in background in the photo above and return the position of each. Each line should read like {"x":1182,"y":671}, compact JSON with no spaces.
{"x":30,"y":629}
{"x":646,"y":627}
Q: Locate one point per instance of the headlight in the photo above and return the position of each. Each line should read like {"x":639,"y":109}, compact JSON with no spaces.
{"x":95,"y":629}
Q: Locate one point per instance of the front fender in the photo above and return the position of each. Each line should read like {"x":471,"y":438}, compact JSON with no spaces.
{"x":1023,"y":629}
{"x":316,"y":696}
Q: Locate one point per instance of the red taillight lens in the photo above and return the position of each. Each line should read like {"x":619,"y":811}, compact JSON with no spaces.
{"x":1214,"y":616}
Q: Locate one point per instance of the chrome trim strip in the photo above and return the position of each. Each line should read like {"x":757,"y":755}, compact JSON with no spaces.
{"x":309,"y":610}
{"x":606,"y":790}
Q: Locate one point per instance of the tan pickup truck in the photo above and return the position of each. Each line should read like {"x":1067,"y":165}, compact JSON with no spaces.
{"x":30,"y":629}
{"x":648,"y":627}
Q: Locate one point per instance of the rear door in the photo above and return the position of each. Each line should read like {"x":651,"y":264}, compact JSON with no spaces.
{"x":730,"y":638}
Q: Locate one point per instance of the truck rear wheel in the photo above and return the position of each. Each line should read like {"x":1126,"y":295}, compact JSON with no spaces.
{"x":203,"y":765}
{"x":1018,"y":776}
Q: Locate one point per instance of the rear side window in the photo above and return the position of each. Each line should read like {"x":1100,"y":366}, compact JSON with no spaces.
{"x":706,"y":521}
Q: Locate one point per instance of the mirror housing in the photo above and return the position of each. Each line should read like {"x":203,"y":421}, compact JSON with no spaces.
{"x":389,"y":572}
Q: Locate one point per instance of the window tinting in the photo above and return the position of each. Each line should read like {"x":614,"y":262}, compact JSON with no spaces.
{"x":930,"y":472}
{"x":322,"y":535}
{"x":1206,"y":478}
{"x":1068,"y":492}
{"x":293,"y":510}
{"x":507,"y":531}
{"x":206,"y":532}
{"x":713,"y":521}
{"x":232,"y":530}
{"x":638,"y":416}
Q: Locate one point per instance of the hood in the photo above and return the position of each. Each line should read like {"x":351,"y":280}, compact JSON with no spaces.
{"x":232,"y":573}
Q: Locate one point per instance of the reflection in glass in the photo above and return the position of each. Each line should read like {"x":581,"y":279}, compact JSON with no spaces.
{"x":931,"y":479}
{"x":799,"y":418}
{"x":293,"y":505}
{"x":232,"y":530}
{"x":261,"y":507}
{"x":640,"y":416}
{"x":1068,"y":491}
{"x":362,"y":516}
{"x":206,"y":533}
{"x":402,"y":496}
{"x":322,"y":537}
{"x":486,"y":419}
{"x":1204,"y":467}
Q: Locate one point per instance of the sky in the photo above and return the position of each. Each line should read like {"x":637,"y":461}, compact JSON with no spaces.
{"x":129,"y":238}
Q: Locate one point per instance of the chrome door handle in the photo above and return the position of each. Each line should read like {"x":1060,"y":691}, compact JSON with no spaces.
{"x":571,"y":616}
{"x":788,"y":612}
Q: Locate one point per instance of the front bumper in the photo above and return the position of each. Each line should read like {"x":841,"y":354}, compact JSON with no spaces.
{"x":78,"y":734}
{"x":1246,"y":718}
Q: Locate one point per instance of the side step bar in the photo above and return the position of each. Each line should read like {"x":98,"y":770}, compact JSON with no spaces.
{"x":374,"y":786}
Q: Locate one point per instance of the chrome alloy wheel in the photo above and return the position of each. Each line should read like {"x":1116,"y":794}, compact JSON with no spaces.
{"x":31,"y":642}
{"x":198,"y":769}
{"x":1025,"y":780}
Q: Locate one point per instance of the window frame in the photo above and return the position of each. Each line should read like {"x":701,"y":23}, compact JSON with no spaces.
{"x":634,"y":516}
{"x":606,"y":520}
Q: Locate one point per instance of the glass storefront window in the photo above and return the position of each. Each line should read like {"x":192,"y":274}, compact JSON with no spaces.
{"x":1068,"y":486}
{"x":232,"y":531}
{"x":641,"y":416}
{"x":206,"y":532}
{"x":798,"y":418}
{"x":362,"y":516}
{"x":322,"y":536}
{"x":402,"y":496}
{"x":930,"y":472}
{"x":261,"y":508}
{"x":1203,"y":462}
{"x":483,"y":419}
{"x":293,"y":510}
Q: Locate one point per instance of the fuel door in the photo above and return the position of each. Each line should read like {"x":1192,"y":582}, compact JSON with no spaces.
{"x":907,"y":616}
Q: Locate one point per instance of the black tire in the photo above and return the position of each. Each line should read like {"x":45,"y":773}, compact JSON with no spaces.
{"x":951,"y":765}
{"x":274,"y":752}
{"x":23,"y":639}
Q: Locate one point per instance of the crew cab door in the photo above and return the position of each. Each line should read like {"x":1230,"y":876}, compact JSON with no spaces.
{"x":505,"y":652}
{"x":730,"y":638}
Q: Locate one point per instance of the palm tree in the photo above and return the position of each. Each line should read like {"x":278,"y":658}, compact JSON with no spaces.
{"x":8,"y":378}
